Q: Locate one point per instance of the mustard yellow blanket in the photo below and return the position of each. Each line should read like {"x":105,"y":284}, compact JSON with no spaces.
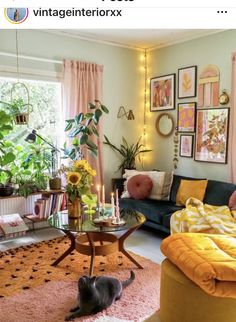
{"x":208,"y":260}
{"x":199,"y":217}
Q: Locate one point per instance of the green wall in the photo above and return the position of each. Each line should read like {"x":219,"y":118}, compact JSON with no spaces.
{"x":215,"y":49}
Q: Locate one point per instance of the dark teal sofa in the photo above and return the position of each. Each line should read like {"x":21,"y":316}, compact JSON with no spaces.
{"x":158,"y":213}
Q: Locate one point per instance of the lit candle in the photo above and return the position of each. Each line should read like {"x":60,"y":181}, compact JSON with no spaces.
{"x":113,"y":205}
{"x":117,"y":206}
{"x":98,"y":198}
{"x":103,"y":196}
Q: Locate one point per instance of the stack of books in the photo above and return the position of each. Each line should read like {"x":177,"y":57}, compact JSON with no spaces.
{"x":48,"y":205}
{"x":12,"y":226}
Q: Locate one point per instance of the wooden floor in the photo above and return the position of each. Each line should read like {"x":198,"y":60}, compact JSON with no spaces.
{"x":143,"y":242}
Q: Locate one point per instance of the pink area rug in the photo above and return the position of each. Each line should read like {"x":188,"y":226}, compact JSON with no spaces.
{"x":51,"y":301}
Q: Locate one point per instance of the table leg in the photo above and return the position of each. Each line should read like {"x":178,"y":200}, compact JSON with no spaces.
{"x":69,"y":250}
{"x":122,"y":249}
{"x":92,"y":246}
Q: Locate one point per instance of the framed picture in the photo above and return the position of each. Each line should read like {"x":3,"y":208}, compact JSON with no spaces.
{"x":162,"y":91}
{"x":186,"y":145}
{"x":187,"y":82}
{"x":212,"y":135}
{"x":186,"y":117}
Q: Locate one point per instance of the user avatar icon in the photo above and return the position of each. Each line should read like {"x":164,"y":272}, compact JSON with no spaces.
{"x":16,"y":15}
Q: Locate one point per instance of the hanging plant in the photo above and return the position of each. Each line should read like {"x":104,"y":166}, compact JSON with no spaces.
{"x":19,"y":110}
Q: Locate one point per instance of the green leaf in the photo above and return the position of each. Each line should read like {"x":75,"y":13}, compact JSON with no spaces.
{"x":75,"y":142}
{"x":95,"y":130}
{"x":68,"y":126}
{"x":95,"y":120}
{"x":91,"y":145}
{"x":105,"y":109}
{"x":8,"y":158}
{"x":92,"y":106}
{"x":98,"y":113}
{"x":79,"y":118}
{"x":84,"y":139}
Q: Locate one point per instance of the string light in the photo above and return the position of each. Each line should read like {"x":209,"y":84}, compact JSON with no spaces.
{"x":145,"y":106}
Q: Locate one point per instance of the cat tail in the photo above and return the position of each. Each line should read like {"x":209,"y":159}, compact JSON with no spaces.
{"x":129,"y":280}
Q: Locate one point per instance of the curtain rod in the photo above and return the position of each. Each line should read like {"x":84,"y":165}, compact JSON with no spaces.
{"x":2,"y":53}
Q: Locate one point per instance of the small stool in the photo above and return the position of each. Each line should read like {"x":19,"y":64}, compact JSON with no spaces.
{"x":181,"y":300}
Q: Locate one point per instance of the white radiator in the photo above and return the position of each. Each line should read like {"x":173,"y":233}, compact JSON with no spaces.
{"x":19,"y":205}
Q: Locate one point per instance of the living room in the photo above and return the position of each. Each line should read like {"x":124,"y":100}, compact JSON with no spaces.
{"x":132,"y":65}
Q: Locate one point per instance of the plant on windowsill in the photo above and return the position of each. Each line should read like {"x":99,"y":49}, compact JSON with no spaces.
{"x":7,"y":155}
{"x":31,"y":167}
{"x":128,"y":152}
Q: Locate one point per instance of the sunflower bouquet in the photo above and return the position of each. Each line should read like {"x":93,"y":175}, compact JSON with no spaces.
{"x":79,"y":179}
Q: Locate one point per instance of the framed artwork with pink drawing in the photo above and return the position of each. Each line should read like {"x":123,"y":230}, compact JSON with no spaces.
{"x":186,"y":117}
{"x":186,"y":145}
{"x":212,"y":135}
{"x":187,"y":82}
{"x":162,"y":93}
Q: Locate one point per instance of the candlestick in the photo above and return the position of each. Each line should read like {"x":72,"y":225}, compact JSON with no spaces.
{"x":98,"y":198}
{"x":117,"y":206}
{"x":103,"y":196}
{"x":113,"y":205}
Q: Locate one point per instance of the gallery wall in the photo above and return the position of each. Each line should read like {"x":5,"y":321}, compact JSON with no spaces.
{"x":216,"y":50}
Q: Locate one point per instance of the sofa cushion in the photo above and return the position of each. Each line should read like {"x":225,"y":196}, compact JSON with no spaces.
{"x":153,"y":210}
{"x":218,"y":192}
{"x":140,"y":186}
{"x":190,"y":188}
{"x":162,"y":182}
{"x":175,"y":185}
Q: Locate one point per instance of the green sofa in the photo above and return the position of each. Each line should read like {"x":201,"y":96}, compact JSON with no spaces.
{"x":158,"y":213}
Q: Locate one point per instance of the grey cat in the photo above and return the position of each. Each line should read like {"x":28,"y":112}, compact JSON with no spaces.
{"x":97,"y":294}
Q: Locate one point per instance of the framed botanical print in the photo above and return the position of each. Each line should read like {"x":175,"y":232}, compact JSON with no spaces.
{"x":162,"y":89}
{"x":212,"y":135}
{"x":186,"y":117}
{"x":186,"y":145}
{"x":187,"y":82}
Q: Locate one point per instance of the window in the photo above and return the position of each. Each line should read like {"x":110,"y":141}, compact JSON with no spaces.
{"x":46,"y":116}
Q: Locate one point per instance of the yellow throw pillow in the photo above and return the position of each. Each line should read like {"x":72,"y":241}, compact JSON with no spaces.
{"x":190,"y":188}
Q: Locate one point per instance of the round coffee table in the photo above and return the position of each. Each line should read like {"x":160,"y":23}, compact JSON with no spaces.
{"x":91,"y":239}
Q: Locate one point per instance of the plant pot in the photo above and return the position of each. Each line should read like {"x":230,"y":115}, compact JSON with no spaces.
{"x":6,"y":190}
{"x":21,"y":118}
{"x":55,"y":183}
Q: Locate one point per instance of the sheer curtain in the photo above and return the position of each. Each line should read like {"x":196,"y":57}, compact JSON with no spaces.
{"x":82,"y":83}
{"x":232,"y":134}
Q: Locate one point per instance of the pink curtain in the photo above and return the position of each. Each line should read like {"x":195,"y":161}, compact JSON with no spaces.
{"x":232,"y":134}
{"x":82,"y":83}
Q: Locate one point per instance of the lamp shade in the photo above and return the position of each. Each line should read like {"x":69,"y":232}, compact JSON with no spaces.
{"x":31,"y":138}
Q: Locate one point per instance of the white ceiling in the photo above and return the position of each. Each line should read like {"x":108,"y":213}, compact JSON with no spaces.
{"x":138,"y":38}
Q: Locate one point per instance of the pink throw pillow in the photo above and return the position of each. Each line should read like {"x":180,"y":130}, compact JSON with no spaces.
{"x":232,"y":201}
{"x":139,"y":186}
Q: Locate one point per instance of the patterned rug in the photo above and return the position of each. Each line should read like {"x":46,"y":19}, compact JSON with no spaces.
{"x":40,"y":292}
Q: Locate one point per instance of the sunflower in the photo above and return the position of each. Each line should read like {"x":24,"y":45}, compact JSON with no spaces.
{"x":73,"y":178}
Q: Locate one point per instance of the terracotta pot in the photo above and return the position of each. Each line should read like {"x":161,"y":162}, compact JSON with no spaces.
{"x":55,"y":183}
{"x":74,"y":208}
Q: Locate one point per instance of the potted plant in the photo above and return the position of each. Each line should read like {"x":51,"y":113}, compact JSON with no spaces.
{"x":81,"y":129}
{"x":7,"y":155}
{"x":128,"y":152}
{"x":30,"y":169}
{"x":19,"y":110}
